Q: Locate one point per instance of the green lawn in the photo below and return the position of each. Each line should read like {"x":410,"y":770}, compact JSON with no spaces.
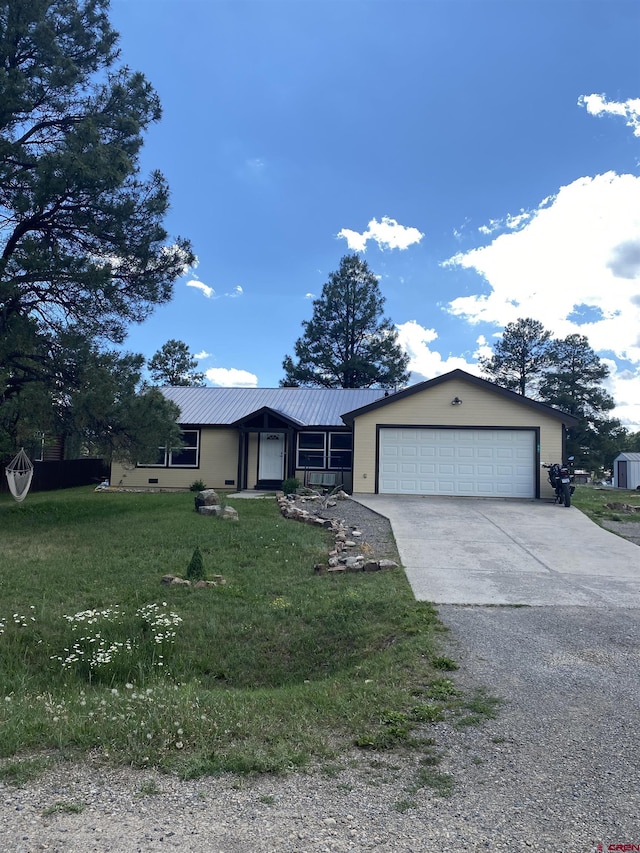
{"x":274,"y":668}
{"x":593,"y":500}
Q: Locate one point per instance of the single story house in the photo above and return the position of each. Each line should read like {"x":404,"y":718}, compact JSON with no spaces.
{"x":626,"y":471}
{"x":456,"y":434}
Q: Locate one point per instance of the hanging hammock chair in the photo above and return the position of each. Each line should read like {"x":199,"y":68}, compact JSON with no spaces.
{"x":19,"y":473}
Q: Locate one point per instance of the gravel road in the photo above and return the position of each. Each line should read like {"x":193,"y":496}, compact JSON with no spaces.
{"x":558,"y":770}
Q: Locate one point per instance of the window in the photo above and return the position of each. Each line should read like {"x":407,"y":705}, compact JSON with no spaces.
{"x":320,"y":450}
{"x":340,"y":450}
{"x":185,"y":457}
{"x":311,"y":450}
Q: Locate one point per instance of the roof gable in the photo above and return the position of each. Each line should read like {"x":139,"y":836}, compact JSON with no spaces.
{"x":565,"y":417}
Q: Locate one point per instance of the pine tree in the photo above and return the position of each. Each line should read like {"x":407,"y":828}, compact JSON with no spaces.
{"x":573,"y":383}
{"x":173,"y":364}
{"x":348,"y":343}
{"x":83,"y":251}
{"x":520,"y":357}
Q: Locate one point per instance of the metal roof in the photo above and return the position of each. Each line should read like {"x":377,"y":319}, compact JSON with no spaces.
{"x":306,"y":406}
{"x":628,"y":456}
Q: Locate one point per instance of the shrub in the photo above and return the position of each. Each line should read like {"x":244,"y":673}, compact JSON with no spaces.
{"x":197,"y":486}
{"x":290,"y":485}
{"x":195,"y":569}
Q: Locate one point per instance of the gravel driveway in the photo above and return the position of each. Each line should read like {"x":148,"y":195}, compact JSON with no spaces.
{"x":558,"y":770}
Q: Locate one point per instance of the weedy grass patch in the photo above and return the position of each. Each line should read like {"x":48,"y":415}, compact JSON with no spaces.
{"x":261,"y":674}
{"x":593,"y":500}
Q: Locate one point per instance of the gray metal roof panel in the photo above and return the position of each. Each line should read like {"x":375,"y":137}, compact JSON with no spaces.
{"x":307,"y":406}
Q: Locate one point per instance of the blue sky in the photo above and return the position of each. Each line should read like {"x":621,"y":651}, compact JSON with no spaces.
{"x":484,"y":158}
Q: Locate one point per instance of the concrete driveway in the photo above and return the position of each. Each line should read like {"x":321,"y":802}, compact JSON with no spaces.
{"x":484,"y":551}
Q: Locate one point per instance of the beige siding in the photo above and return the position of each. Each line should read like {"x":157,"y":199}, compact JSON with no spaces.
{"x":433,"y":407}
{"x":218,"y":462}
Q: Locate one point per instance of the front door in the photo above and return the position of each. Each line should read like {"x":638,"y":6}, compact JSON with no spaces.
{"x":271,"y":459}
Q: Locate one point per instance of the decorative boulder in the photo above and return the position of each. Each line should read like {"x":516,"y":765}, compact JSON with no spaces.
{"x":213,"y":509}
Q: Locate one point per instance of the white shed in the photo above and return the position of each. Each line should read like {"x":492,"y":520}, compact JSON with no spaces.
{"x":626,"y":471}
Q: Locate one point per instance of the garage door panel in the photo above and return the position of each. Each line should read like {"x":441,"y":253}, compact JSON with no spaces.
{"x":485,"y":462}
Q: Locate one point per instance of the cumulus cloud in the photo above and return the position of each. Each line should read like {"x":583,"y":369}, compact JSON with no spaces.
{"x":203,"y":354}
{"x":513,"y":223}
{"x":231,"y":377}
{"x":210,"y":293}
{"x":387,"y":233}
{"x":598,"y":105}
{"x":625,"y":259}
{"x":574,"y":266}
{"x":624,"y":386}
{"x":425,"y":361}
{"x":200,"y":285}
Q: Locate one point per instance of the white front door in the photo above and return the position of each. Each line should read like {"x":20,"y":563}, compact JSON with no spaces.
{"x":271,"y":460}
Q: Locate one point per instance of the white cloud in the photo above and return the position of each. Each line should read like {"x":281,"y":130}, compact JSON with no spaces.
{"x":387,"y":233}
{"x":513,"y":223}
{"x":425,"y":361}
{"x":231,"y":377}
{"x":203,"y":354}
{"x":577,"y":254}
{"x":597,"y":105}
{"x":624,"y":387}
{"x":208,"y":291}
{"x":309,"y":296}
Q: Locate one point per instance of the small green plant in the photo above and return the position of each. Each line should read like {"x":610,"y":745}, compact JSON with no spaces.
{"x":62,"y":807}
{"x":267,"y":799}
{"x":445,"y":663}
{"x":149,"y":789}
{"x":440,"y":783}
{"x":195,"y":569}
{"x":197,"y":486}
{"x":403,"y":806}
{"x":290,"y":485}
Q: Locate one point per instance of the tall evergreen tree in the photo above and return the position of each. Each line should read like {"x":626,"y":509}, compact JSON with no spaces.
{"x":83,"y":251}
{"x":573,"y":383}
{"x":520,"y":357}
{"x":348,"y":343}
{"x":173,"y":364}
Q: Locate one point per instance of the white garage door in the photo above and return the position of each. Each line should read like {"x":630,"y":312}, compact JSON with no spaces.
{"x":481,"y":462}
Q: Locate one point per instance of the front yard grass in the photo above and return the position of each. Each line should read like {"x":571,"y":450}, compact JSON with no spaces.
{"x":265,"y":673}
{"x":593,"y":500}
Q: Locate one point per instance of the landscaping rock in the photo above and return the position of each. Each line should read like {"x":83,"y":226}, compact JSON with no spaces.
{"x":210,"y":509}
{"x":209,"y":497}
{"x":174,"y":580}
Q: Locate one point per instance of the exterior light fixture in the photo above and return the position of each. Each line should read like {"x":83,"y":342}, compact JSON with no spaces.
{"x":456,"y":401}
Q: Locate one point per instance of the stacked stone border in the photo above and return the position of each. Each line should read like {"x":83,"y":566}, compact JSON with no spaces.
{"x":346,"y":554}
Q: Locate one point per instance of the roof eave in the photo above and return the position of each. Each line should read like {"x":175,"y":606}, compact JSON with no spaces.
{"x":567,"y":419}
